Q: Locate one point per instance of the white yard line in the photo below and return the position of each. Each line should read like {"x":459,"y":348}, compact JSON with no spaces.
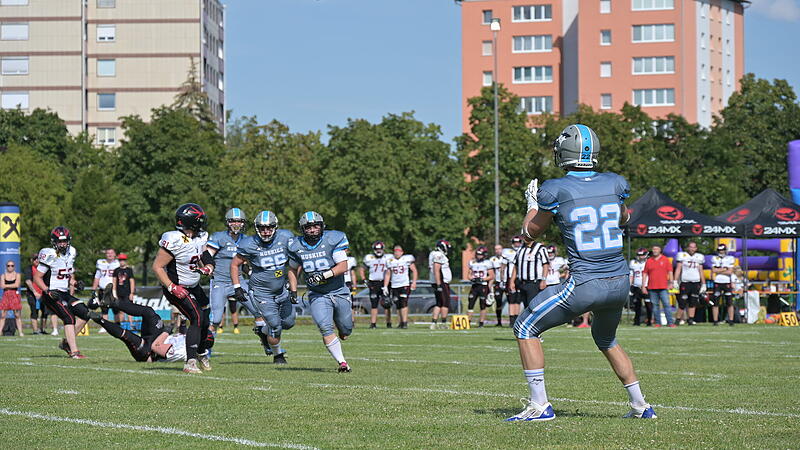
{"x":162,"y":430}
{"x":454,"y":390}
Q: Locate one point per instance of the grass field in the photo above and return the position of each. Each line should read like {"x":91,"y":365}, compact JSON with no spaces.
{"x":713,"y":386}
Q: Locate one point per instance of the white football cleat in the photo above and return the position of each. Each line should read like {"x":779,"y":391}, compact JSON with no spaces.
{"x":191,"y":367}
{"x":533,"y":412}
{"x":640,"y":412}
{"x":205,"y":361}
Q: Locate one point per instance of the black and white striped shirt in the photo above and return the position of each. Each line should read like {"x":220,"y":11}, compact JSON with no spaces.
{"x":530,"y":262}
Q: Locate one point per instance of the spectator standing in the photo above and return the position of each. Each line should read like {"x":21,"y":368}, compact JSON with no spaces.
{"x":637,"y":293}
{"x":11,"y":300}
{"x":124,"y":284}
{"x":691,"y":282}
{"x":657,"y":278}
{"x":33,"y":294}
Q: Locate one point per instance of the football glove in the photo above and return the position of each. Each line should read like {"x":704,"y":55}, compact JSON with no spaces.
{"x":79,"y":285}
{"x":205,"y":270}
{"x":490,"y":299}
{"x":240,"y":294}
{"x":385,"y":291}
{"x":178,"y":291}
{"x":531,"y":194}
{"x":293,"y":297}
{"x":703,"y":288}
{"x":315,"y":279}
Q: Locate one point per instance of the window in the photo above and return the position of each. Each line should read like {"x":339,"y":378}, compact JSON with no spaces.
{"x":605,"y":69}
{"x":106,"y":136}
{"x":487,"y":16}
{"x":106,"y":102}
{"x":702,"y":40}
{"x":605,"y":37}
{"x":527,"y":44}
{"x":605,"y":6}
{"x":654,"y":97}
{"x":536,"y":105}
{"x":644,"y":5}
{"x":220,"y":83}
{"x":13,"y":2}
{"x":605,"y":101}
{"x":486,"y":48}
{"x":12,"y":100}
{"x":106,"y":33}
{"x":106,"y":67}
{"x":487,"y":78}
{"x":532,"y":13}
{"x":106,"y":3}
{"x":14,"y":31}
{"x":654,"y":64}
{"x":663,"y":32}
{"x":533,"y":74}
{"x":17,"y":65}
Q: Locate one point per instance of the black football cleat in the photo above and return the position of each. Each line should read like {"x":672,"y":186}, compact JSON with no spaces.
{"x":280,"y":359}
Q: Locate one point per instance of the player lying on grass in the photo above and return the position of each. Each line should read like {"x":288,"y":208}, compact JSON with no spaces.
{"x":589,"y":209}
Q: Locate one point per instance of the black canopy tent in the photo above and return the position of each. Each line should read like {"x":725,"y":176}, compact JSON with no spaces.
{"x":767,"y":215}
{"x":655,"y":214}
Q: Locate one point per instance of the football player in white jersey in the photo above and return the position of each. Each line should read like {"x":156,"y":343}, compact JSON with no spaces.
{"x":55,"y":277}
{"x":375,"y":263}
{"x":636,"y":266}
{"x":397,"y":285}
{"x":181,"y":259}
{"x":439,"y":266}
{"x":514,"y":295}
{"x":481,"y":275}
{"x":559,"y":268}
{"x":722,"y":269}
{"x":103,"y":282}
{"x":691,"y":282}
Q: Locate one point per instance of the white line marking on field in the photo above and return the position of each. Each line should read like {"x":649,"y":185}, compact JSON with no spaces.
{"x":163,"y":430}
{"x":67,"y":391}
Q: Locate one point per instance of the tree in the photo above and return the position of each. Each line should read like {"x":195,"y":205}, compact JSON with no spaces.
{"x":192,"y":98}
{"x":394,"y":181}
{"x":520,"y":160}
{"x":759,"y":121}
{"x":37,"y":186}
{"x":41,"y":130}
{"x":162,"y":164}
{"x":266,"y":167}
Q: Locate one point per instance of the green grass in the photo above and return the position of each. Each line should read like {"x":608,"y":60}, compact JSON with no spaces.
{"x":411,"y":388}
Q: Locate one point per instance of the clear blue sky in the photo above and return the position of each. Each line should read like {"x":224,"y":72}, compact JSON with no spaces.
{"x":310,"y":63}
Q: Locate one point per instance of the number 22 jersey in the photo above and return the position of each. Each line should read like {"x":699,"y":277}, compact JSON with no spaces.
{"x":587,"y":208}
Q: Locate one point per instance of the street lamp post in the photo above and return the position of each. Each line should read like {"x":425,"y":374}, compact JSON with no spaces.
{"x":495,"y":27}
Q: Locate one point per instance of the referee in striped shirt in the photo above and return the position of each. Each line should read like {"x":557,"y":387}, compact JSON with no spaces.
{"x":529,"y":274}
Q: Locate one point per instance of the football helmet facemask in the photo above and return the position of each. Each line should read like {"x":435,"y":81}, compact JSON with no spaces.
{"x":481,"y":253}
{"x":235,"y":220}
{"x":266,"y":223}
{"x":443,"y":246}
{"x":307,"y":223}
{"x":378,"y":248}
{"x":60,"y":238}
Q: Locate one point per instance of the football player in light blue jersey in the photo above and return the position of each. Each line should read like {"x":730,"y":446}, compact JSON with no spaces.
{"x":266,"y":253}
{"x":589,"y":209}
{"x":322,"y":254}
{"x":222,"y":246}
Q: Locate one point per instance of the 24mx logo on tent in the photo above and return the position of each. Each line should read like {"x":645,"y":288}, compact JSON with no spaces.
{"x":739,"y":215}
{"x":787,"y":214}
{"x":670,"y":213}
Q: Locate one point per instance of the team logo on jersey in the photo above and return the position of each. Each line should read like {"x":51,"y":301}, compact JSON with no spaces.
{"x":697,"y":228}
{"x":185,"y":239}
{"x":787,"y":214}
{"x":758,"y":230}
{"x":669,"y":213}
{"x":278,"y":273}
{"x":739,"y":215}
{"x":641,"y":228}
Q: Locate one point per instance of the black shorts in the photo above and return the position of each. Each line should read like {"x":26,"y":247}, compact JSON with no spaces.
{"x":527,"y":290}
{"x":637,"y":295}
{"x":721,"y":290}
{"x":514,"y":298}
{"x":33,"y":305}
{"x":191,"y":307}
{"x":689,"y":294}
{"x":476,"y":293}
{"x":375,"y":292}
{"x":443,"y":296}
{"x":61,"y":305}
{"x":400,"y":296}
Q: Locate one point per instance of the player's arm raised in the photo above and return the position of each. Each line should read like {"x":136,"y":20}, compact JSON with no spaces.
{"x":535,"y":222}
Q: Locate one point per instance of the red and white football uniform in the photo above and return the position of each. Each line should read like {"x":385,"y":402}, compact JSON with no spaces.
{"x":399,"y":268}
{"x":57,"y":268}
{"x":186,"y":253}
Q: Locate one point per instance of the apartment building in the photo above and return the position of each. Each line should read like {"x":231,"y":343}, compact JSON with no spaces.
{"x":95,"y":61}
{"x":667,"y":56}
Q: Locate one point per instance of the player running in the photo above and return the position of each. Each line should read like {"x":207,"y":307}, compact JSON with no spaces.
{"x":323,"y":256}
{"x":54,"y":276}
{"x":180,"y":261}
{"x":481,"y":274}
{"x":222,"y":246}
{"x":375,"y":263}
{"x":589,"y":209}
{"x":397,"y":286}
{"x":439,"y":266}
{"x":266,"y":253}
{"x":103,"y":282}
{"x":692,"y":281}
{"x":722,"y":268}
